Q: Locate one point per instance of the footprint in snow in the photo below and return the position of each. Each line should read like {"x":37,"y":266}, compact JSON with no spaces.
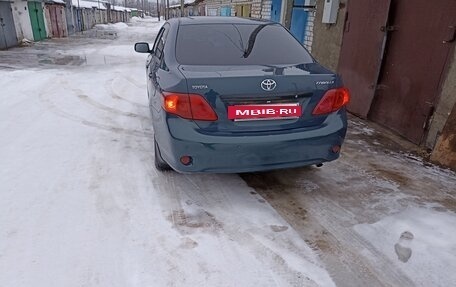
{"x":402,"y":247}
{"x":278,"y":228}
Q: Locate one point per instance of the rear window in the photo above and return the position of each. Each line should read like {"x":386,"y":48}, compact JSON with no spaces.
{"x":238,"y":44}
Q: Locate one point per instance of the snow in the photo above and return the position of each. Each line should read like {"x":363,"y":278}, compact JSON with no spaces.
{"x":178,"y":4}
{"x":120,"y":25}
{"x":433,"y":256}
{"x":87,"y":4}
{"x":118,"y":8}
{"x":135,"y":19}
{"x":115,"y":26}
{"x":82,"y":205}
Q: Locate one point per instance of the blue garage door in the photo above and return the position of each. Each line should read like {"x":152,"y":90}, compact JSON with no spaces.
{"x":276,"y":8}
{"x":225,"y":11}
{"x":299,"y":17}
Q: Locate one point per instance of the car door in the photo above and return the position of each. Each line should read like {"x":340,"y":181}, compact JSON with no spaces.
{"x":155,"y":64}
{"x":150,"y":67}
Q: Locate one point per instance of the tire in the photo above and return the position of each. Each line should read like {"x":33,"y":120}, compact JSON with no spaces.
{"x":160,"y":163}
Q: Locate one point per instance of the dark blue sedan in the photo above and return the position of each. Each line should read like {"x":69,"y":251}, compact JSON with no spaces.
{"x":239,"y":95}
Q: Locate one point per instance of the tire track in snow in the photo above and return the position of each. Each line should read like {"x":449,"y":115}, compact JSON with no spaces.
{"x":190,"y":220}
{"x":320,"y":225}
{"x":178,"y":190}
{"x":115,"y":95}
{"x":47,"y":100}
{"x":103,"y":107}
{"x":89,"y":100}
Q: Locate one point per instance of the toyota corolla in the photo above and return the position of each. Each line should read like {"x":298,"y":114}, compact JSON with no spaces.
{"x":232,"y":95}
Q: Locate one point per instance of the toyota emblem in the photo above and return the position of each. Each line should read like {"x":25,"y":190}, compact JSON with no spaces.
{"x":268,"y":84}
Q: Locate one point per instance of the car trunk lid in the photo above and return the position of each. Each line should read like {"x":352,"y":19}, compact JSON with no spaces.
{"x":299,"y":86}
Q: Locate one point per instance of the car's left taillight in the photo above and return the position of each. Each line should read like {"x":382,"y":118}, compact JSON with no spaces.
{"x":188,"y":106}
{"x":332,"y":101}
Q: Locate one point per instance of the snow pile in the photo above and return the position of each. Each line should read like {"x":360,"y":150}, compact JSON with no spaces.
{"x":147,"y":19}
{"x":421,"y":242}
{"x":119,"y":26}
{"x":86,"y":4}
{"x":102,"y":26}
{"x":135,"y":19}
{"x":25,"y":42}
{"x":109,"y":26}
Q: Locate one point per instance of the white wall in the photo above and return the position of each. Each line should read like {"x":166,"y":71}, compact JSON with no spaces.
{"x":308,"y":38}
{"x":266,"y":9}
{"x":22,"y":20}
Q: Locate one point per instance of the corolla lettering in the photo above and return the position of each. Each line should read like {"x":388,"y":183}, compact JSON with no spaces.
{"x":199,"y":87}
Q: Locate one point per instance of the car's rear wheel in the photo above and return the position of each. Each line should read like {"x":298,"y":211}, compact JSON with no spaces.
{"x":160,"y":163}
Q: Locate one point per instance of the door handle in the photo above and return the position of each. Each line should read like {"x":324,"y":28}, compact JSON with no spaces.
{"x":151,"y":75}
{"x":388,"y":28}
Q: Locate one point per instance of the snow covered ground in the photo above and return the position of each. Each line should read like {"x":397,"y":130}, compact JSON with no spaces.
{"x":81,"y":203}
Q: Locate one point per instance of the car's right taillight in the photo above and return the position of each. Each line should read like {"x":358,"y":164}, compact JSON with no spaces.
{"x":188,"y":106}
{"x":332,"y":101}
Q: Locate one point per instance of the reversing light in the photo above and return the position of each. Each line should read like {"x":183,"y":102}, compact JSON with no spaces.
{"x":332,"y":101}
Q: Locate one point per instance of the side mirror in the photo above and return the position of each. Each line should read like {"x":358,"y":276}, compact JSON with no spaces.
{"x":142,"y":47}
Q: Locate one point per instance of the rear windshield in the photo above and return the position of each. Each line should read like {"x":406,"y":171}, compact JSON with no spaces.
{"x":238,"y":44}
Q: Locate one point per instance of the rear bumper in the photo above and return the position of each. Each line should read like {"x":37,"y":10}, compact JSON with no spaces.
{"x":233,"y":154}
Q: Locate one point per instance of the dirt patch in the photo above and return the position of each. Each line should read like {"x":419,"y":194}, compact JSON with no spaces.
{"x":393,"y":175}
{"x":189,"y":222}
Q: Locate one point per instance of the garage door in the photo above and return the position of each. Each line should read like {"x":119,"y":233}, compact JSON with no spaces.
{"x":8,"y":36}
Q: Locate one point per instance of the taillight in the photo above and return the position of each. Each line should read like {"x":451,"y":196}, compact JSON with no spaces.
{"x":188,"y":106}
{"x":333,"y":100}
{"x":178,"y":104}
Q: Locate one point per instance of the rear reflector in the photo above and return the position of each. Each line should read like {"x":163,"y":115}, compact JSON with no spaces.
{"x":188,"y":106}
{"x":333,"y":100}
{"x":186,"y":160}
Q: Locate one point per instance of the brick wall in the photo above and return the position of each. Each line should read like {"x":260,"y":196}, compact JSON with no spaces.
{"x":309,"y":32}
{"x":216,"y":4}
{"x":261,"y":9}
{"x":266,"y":10}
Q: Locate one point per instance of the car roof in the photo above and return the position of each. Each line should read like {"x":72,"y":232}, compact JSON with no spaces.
{"x":220,"y":20}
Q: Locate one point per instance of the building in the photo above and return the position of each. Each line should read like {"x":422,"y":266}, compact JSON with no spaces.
{"x":40,"y":19}
{"x":297,"y":15}
{"x":398,"y":59}
{"x":191,"y":8}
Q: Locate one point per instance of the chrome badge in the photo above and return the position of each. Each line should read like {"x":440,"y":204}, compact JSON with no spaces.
{"x":268,"y":85}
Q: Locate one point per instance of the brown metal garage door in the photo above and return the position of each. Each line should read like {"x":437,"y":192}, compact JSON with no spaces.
{"x":419,"y":44}
{"x":362,"y":49}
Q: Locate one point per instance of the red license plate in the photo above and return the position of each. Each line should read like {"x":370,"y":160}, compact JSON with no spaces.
{"x":264,"y":112}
